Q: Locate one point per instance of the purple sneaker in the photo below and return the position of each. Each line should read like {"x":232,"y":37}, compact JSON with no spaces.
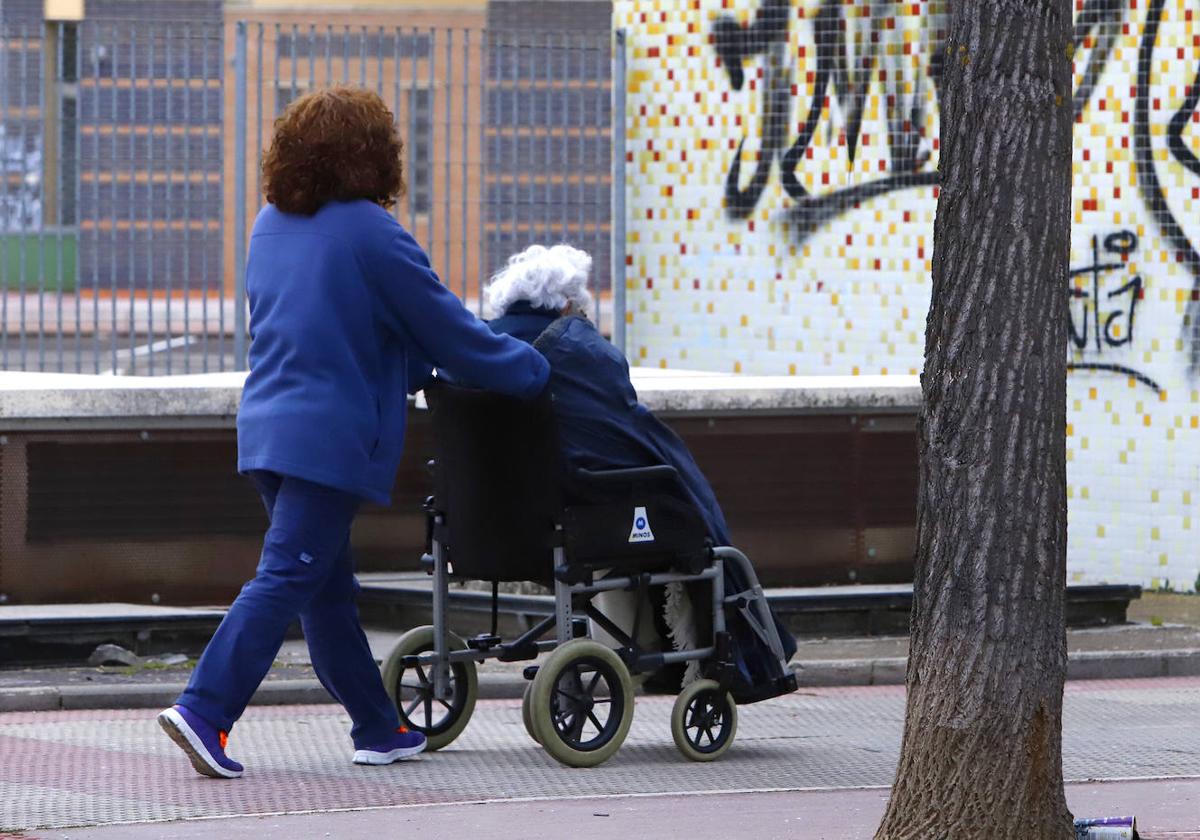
{"x":204,"y":745}
{"x":403,"y":744}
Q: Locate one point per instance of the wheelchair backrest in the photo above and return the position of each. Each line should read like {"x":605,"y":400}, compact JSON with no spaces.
{"x":496,"y":481}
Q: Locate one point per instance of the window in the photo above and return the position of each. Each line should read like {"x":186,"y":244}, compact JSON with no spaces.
{"x":419,"y":140}
{"x":60,"y":162}
{"x":286,"y":94}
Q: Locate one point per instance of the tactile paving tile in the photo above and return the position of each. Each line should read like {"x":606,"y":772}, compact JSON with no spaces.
{"x":85,"y":768}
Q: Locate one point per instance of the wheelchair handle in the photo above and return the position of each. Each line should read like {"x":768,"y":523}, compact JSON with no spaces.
{"x":662,"y":472}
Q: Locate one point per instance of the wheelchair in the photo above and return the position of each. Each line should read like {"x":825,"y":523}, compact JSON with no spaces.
{"x":499,"y":513}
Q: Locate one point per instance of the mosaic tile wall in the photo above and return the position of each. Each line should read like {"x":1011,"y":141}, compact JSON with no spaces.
{"x":780,"y":195}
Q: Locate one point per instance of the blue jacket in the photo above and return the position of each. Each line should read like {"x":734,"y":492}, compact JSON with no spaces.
{"x":601,"y":425}
{"x":346,"y":319}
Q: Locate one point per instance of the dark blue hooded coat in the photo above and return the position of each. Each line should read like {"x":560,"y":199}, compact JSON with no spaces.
{"x":603,"y":426}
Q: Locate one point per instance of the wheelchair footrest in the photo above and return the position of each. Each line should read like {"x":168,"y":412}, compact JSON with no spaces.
{"x":518,"y":653}
{"x":484,"y":641}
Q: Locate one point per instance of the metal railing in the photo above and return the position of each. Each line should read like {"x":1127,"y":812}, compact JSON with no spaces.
{"x":111,"y":255}
{"x":132,"y":152}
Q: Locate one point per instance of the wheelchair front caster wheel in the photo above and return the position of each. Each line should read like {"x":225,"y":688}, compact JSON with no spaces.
{"x":411,"y":689}
{"x":581,"y":704}
{"x":704,"y":721}
{"x":527,"y":712}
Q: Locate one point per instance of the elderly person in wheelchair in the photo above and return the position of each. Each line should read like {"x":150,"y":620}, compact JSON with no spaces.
{"x":541,"y":297}
{"x":585,"y":491}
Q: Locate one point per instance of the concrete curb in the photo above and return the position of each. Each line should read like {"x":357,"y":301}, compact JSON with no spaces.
{"x":1092,"y":665}
{"x":161,"y":695}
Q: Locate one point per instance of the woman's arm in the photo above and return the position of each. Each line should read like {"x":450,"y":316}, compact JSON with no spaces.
{"x":446,"y":333}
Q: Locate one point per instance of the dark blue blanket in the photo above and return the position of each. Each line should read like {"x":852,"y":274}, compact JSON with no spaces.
{"x":603,"y":426}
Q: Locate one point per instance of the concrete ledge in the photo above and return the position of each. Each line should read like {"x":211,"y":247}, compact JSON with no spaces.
{"x":1092,"y":665}
{"x":45,"y":400}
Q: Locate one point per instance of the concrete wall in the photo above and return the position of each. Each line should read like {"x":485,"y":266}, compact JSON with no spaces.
{"x":781,"y":196}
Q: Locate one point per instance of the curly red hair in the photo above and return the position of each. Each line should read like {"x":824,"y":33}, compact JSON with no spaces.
{"x":338,"y":144}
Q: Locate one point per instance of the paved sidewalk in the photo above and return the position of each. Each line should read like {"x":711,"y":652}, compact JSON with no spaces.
{"x":69,"y":769}
{"x":777,"y":815}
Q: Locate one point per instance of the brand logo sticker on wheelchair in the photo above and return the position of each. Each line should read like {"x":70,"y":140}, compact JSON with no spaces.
{"x":641,"y":527}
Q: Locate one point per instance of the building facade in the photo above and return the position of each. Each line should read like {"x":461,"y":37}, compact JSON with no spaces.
{"x":548,"y":128}
{"x":122,"y":142}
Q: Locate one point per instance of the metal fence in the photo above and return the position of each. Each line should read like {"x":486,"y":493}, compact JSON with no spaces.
{"x":131,"y":155}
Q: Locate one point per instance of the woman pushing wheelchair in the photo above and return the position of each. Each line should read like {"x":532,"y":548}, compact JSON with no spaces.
{"x":346,"y":318}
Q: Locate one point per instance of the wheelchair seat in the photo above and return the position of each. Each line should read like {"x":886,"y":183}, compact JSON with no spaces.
{"x":505,"y":502}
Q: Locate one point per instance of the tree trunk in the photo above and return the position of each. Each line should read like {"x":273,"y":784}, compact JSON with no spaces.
{"x":982,"y":747}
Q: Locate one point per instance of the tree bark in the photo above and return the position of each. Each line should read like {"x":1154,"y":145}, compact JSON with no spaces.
{"x":982,"y":746}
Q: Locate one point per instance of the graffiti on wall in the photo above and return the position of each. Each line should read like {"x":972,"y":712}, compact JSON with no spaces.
{"x":781,"y":192}
{"x":838,"y":76}
{"x":21,"y":202}
{"x":855,"y":46}
{"x":1104,"y":303}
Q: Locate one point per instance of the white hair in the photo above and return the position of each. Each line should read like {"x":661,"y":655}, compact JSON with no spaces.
{"x":549,"y":278}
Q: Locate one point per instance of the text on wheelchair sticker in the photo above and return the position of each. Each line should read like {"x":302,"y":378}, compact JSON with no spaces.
{"x":641,"y":527}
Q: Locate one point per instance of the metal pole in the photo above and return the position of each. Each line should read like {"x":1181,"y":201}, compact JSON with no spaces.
{"x":447,"y":151}
{"x":23,"y":210}
{"x":6,"y":207}
{"x":329,"y":55}
{"x":379,"y":61}
{"x":346,"y":54}
{"x":541,"y":207}
{"x":150,"y":342}
{"x":464,"y":188}
{"x":362,"y":58}
{"x":259,"y":77}
{"x":431,"y":210}
{"x":396,"y":110}
{"x":131,"y":268}
{"x":47,"y":71}
{"x":312,"y":57}
{"x":185,"y":252}
{"x":409,"y":109}
{"x":114,"y":189}
{"x":96,"y":212}
{"x":59,"y":88}
{"x":76,"y":220}
{"x":295,"y":81}
{"x":207,"y":205}
{"x":617,"y":223}
{"x":239,"y":201}
{"x":514,"y":48}
{"x":590,"y":72}
{"x":485,"y":149}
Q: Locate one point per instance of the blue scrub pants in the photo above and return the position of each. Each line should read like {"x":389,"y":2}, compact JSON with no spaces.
{"x":305,"y":570}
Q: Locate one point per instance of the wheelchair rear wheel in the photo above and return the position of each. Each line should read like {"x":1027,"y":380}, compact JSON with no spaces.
{"x":411,"y":689}
{"x":704,"y":721}
{"x":581,"y":703}
{"x":526,"y":712}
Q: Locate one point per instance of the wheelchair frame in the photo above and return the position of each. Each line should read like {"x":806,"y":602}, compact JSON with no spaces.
{"x":514,"y":536}
{"x":573,"y":604}
{"x":529,"y":644}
